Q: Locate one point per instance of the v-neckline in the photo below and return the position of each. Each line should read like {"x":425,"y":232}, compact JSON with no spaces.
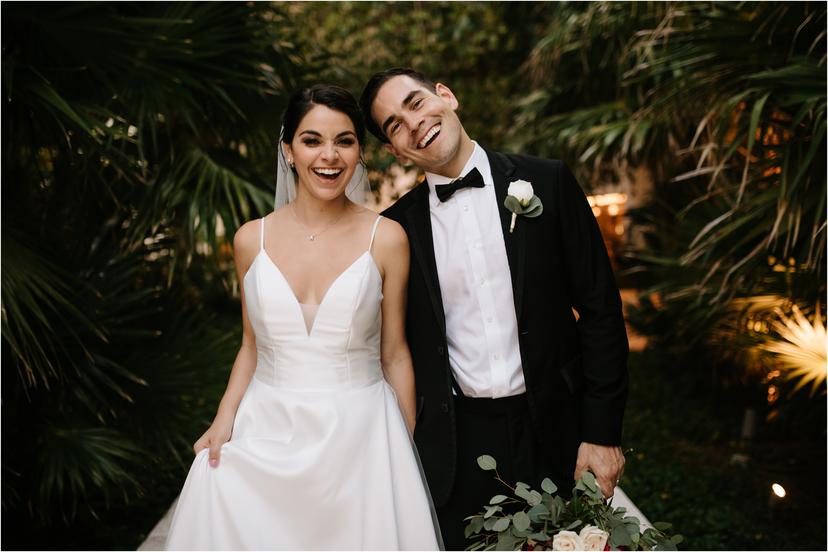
{"x":263,"y":252}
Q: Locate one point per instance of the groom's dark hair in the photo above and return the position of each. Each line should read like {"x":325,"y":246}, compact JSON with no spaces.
{"x":369,"y":94}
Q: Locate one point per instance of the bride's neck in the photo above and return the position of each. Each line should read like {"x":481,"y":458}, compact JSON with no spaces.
{"x":313,"y":211}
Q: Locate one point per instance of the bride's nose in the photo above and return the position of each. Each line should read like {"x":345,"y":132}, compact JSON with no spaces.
{"x":329,"y":152}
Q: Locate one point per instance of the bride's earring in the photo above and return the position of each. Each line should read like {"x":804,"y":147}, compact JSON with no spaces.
{"x":291,"y":163}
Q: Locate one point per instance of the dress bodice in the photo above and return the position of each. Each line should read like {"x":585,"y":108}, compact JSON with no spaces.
{"x":342,"y":349}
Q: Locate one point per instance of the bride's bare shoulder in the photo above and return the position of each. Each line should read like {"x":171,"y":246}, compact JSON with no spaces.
{"x":391,"y":238}
{"x":246,"y":243}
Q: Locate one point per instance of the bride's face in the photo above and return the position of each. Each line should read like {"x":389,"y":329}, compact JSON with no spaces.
{"x":325,"y":151}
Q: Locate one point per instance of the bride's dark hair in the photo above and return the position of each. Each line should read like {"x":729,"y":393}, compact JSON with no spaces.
{"x":331,"y":96}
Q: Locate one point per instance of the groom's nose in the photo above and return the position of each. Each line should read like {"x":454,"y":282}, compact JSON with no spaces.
{"x":413,"y":121}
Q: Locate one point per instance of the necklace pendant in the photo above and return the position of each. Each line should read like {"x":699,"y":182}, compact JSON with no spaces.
{"x":312,"y":237}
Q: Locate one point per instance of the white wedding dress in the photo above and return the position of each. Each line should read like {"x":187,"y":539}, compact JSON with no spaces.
{"x":320,"y":457}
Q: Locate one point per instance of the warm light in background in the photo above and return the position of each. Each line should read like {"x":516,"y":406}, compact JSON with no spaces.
{"x":607,"y":199}
{"x":778,"y":490}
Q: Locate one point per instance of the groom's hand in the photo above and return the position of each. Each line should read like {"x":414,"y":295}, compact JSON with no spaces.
{"x":606,"y":463}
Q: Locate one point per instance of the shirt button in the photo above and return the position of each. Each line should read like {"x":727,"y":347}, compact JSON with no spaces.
{"x":482,"y":281}
{"x":465,"y":207}
{"x":489,"y":320}
{"x":496,"y":357}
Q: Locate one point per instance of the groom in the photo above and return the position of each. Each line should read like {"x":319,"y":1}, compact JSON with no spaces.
{"x":503,"y":366}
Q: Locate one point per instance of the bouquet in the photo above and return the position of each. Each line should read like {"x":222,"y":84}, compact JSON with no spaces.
{"x":531,"y":520}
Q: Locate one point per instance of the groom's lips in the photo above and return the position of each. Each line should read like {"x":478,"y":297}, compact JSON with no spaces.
{"x":429,"y":136}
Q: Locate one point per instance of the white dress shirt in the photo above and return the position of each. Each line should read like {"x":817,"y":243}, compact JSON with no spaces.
{"x":473,"y":270}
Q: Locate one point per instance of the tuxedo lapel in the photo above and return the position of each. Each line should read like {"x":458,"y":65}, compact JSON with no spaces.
{"x":503,"y":173}
{"x":419,"y":217}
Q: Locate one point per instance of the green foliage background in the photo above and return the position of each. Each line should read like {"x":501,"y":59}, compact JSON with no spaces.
{"x":138,"y":137}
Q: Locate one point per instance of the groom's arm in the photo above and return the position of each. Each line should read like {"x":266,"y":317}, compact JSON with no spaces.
{"x":602,"y":334}
{"x":594,"y":295}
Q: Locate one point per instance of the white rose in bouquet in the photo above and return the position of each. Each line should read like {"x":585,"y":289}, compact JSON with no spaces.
{"x":594,"y":538}
{"x":567,"y":540}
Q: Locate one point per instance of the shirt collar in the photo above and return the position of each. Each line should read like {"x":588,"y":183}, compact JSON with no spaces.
{"x":478,"y":160}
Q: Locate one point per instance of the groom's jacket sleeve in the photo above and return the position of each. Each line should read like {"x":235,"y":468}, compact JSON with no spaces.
{"x":601,"y":331}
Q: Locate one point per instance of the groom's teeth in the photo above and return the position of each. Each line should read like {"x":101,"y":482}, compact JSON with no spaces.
{"x":429,"y":135}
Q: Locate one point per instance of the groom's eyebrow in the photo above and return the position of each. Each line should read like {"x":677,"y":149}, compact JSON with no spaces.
{"x":405,"y":102}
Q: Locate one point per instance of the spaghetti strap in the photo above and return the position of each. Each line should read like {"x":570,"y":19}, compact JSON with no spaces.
{"x":261,"y":235}
{"x":374,"y":232}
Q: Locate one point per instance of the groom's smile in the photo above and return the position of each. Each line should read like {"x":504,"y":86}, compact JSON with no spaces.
{"x":429,"y":137}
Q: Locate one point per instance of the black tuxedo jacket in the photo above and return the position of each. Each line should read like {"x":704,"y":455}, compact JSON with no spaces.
{"x":575,"y":371}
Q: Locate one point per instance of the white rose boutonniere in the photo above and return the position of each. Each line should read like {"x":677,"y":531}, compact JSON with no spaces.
{"x":521,"y":200}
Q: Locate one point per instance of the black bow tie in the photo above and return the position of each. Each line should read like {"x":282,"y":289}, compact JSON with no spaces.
{"x":474,"y":180}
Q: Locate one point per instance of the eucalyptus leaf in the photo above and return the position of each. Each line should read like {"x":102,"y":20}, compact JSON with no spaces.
{"x":522,"y":492}
{"x":505,"y":541}
{"x":491,"y":510}
{"x":573,"y":525}
{"x":486,"y":462}
{"x":533,"y":209}
{"x":548,"y":486}
{"x":501,"y":524}
{"x":521,"y":521}
{"x":512,"y":203}
{"x":620,"y":537}
{"x":538,"y":511}
{"x":662,"y":525}
{"x":497,"y":499}
{"x":589,"y":481}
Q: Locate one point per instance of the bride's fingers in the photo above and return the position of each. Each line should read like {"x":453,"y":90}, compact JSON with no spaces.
{"x":199,"y":445}
{"x":215,"y":452}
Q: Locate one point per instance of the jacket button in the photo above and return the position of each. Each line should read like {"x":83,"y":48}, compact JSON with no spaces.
{"x":440,"y":351}
{"x":444,"y":407}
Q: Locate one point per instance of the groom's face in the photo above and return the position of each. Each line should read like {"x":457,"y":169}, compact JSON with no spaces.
{"x":420,"y":124}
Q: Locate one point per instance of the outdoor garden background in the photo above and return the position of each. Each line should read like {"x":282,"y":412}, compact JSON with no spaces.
{"x":137,"y":137}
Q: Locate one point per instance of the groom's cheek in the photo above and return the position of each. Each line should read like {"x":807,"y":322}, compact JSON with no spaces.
{"x":393,"y":151}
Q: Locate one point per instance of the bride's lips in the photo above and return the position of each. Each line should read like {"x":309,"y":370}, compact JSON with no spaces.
{"x":429,"y":137}
{"x":328,"y":174}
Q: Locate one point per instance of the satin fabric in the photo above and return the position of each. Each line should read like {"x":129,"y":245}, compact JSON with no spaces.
{"x":320,"y":457}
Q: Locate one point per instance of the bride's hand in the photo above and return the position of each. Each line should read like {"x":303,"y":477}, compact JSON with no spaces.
{"x":216,"y":435}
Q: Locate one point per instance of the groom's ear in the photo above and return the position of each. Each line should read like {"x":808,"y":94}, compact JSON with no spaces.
{"x":445,"y":94}
{"x":393,"y":151}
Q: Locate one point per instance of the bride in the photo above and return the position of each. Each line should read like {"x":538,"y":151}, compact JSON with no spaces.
{"x":311,"y":447}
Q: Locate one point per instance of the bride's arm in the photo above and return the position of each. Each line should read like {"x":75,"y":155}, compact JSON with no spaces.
{"x":391,"y":251}
{"x":245,"y":248}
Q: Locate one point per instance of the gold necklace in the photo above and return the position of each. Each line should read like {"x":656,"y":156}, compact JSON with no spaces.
{"x":313,"y":235}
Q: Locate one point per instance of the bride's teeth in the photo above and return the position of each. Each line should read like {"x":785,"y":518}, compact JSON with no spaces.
{"x":328,"y":172}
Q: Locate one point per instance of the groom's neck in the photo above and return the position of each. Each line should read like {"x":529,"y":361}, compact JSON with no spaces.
{"x":464,"y":152}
